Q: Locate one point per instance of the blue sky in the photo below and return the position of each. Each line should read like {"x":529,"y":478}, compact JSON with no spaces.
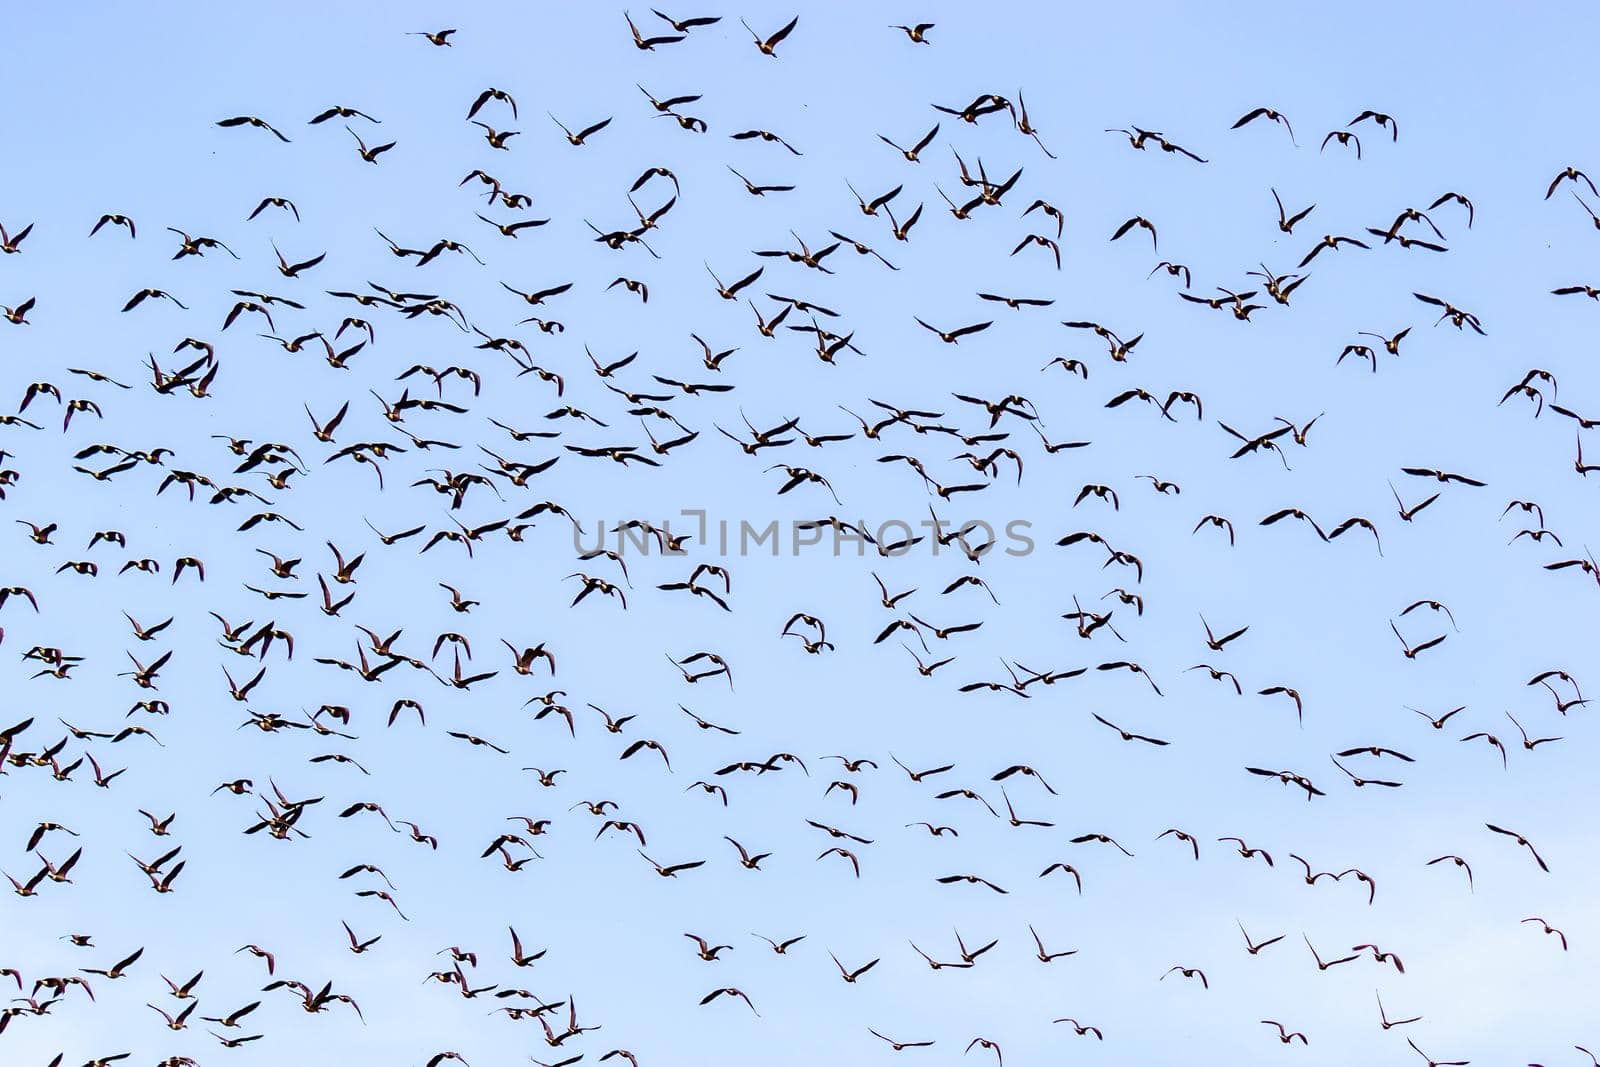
{"x":116,"y":112}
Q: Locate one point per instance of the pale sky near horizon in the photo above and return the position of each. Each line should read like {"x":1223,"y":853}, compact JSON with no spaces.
{"x":113,"y":109}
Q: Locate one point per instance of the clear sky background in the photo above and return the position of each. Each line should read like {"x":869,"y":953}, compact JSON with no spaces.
{"x":113,"y":109}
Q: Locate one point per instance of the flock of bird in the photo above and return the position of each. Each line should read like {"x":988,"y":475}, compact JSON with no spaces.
{"x":295,"y":672}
